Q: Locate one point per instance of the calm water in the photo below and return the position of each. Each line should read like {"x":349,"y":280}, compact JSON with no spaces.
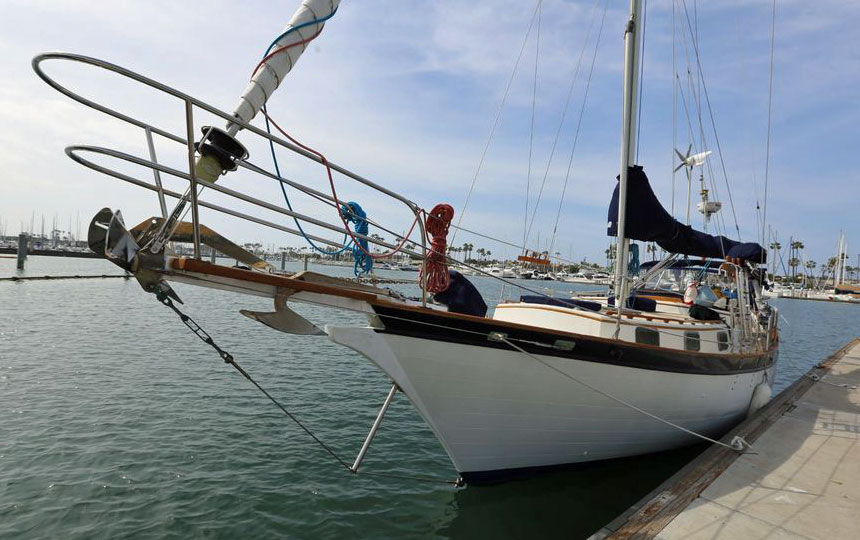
{"x":115,"y":421}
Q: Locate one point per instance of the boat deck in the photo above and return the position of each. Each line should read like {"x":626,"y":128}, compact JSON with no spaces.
{"x":801,"y":479}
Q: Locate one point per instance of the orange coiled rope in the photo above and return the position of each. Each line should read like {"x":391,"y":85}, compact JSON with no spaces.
{"x":437,"y":222}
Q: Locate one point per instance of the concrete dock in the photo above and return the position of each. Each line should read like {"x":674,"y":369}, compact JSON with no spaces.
{"x":800,"y":479}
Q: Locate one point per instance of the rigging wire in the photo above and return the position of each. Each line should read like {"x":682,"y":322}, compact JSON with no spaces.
{"x":495,"y":123}
{"x":713,"y":122}
{"x":344,"y":217}
{"x":737,"y":444}
{"x":266,"y":56}
{"x":343,"y":209}
{"x":695,"y":92}
{"x":769,"y":102}
{"x":564,"y":114}
{"x":641,"y":78}
{"x":351,"y":212}
{"x":745,"y":83}
{"x":228,"y":359}
{"x":316,"y":195}
{"x":578,"y":126}
{"x":674,"y":107}
{"x":532,"y":130}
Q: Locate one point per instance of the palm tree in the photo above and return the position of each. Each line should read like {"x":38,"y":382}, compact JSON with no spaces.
{"x":775,"y":246}
{"x":610,"y":254}
{"x":810,"y":267}
{"x":377,"y":238}
{"x":467,"y":250}
{"x":793,"y":263}
{"x":795,"y":246}
{"x":651,"y":248}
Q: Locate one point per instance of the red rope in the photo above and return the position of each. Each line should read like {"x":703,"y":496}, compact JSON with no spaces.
{"x":437,"y":222}
{"x":340,"y":214}
{"x":284,"y":49}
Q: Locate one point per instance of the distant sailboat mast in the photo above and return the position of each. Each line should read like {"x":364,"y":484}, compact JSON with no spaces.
{"x":632,"y":45}
{"x":839,"y":272}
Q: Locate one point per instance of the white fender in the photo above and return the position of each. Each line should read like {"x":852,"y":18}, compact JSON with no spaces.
{"x":760,"y":398}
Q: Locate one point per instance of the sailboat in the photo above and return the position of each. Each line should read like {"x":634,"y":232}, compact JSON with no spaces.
{"x":541,"y":381}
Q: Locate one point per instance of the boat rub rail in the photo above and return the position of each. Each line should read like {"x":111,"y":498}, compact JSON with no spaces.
{"x":417,"y":321}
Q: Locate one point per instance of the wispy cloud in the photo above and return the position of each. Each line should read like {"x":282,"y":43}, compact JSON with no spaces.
{"x":405,"y":93}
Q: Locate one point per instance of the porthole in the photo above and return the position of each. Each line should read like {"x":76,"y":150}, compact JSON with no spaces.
{"x":692,"y":342}
{"x":722,"y":341}
{"x":647,"y":336}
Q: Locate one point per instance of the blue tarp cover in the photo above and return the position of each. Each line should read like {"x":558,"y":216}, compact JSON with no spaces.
{"x":648,"y":221}
{"x":681,"y":264}
{"x":462,"y":297}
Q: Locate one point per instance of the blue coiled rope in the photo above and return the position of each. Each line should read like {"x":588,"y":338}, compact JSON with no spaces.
{"x":354,"y":214}
{"x":346,"y":245}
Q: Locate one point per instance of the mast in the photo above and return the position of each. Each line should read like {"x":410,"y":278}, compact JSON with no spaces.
{"x":632,"y":41}
{"x":838,"y":273}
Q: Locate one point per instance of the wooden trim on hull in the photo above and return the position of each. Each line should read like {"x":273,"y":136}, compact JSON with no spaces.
{"x":202,"y":267}
{"x":420,"y":322}
{"x":474,"y":330}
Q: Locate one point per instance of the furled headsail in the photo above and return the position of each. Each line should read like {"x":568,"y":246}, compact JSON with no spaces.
{"x":648,"y":221}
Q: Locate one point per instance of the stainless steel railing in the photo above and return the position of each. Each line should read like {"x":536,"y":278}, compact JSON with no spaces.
{"x":196,"y":184}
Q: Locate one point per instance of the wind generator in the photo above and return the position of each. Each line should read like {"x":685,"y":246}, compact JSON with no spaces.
{"x":706,"y":207}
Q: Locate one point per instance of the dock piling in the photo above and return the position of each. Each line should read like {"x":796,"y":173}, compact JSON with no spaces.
{"x":23,"y":242}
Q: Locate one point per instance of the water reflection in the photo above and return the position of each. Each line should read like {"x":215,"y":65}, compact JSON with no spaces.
{"x":569,"y":503}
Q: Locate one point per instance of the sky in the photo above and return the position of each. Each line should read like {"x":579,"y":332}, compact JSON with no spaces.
{"x":406,"y":93}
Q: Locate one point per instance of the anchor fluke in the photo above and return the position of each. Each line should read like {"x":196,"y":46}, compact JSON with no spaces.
{"x":107,"y":236}
{"x":284,"y":319}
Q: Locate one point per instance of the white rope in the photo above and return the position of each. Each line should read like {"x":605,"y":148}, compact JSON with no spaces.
{"x":820,"y":379}
{"x":738,"y":443}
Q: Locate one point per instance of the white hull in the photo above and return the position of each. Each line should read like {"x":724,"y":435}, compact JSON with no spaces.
{"x":494,"y":410}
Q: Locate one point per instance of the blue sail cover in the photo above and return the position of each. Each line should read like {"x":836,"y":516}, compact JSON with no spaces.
{"x":648,"y":221}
